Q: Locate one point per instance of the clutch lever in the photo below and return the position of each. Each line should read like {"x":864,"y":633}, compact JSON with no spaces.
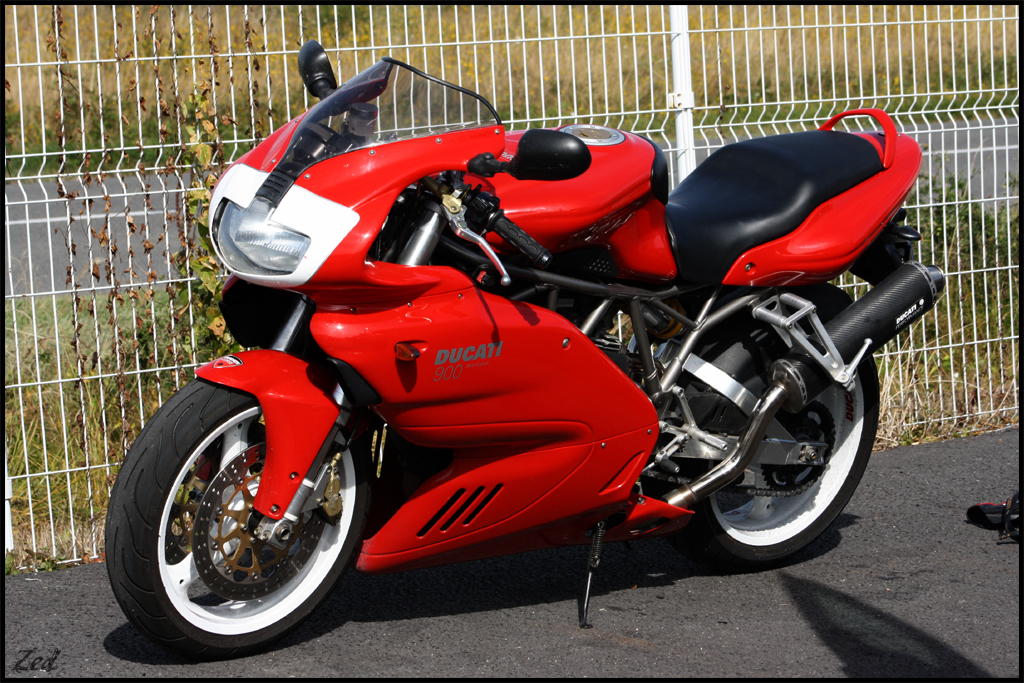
{"x":461,"y":229}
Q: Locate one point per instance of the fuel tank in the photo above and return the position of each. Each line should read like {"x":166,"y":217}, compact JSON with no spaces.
{"x":614,"y":205}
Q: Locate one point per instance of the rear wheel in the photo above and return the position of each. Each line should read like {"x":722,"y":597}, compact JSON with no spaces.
{"x":735,"y":531}
{"x":182,"y":564}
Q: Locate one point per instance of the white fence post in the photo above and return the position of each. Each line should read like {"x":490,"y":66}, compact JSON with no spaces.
{"x":681,"y":99}
{"x":8,"y":492}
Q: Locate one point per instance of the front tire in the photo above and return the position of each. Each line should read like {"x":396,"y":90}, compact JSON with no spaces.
{"x":157,"y":498}
{"x":737,"y":533}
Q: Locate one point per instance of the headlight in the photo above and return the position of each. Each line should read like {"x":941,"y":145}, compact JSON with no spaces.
{"x":252,"y":243}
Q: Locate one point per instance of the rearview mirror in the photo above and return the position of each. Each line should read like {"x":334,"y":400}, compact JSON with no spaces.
{"x":316,"y":71}
{"x":549,"y":155}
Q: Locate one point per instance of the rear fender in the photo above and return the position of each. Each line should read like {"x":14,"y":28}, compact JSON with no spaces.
{"x":301,"y":402}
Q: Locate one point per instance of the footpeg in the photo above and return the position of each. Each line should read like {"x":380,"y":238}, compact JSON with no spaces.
{"x":831,"y":361}
{"x":593,"y":560}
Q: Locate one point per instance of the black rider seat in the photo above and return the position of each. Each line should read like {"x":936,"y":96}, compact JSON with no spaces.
{"x":755,"y":191}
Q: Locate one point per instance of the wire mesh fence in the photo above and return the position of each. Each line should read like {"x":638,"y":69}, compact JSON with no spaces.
{"x":949,"y":77}
{"x":117,"y":120}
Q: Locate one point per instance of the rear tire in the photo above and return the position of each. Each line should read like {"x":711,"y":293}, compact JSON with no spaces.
{"x":738,"y":534}
{"x":155,"y":502}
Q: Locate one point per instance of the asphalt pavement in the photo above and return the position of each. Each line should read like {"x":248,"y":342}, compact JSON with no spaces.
{"x":900,"y":586}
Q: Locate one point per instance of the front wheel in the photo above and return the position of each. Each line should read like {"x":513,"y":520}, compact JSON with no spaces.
{"x":182,"y":563}
{"x":736,"y":532}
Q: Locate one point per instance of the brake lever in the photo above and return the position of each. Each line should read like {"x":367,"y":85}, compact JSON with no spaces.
{"x":461,"y":229}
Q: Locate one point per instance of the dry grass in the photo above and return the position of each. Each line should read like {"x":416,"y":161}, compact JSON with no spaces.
{"x":785,"y":64}
{"x":126,"y":73}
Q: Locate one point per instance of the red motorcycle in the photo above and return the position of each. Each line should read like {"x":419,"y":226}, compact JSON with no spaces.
{"x":421,"y":396}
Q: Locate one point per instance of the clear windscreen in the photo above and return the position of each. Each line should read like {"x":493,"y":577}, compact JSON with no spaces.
{"x":386,"y":103}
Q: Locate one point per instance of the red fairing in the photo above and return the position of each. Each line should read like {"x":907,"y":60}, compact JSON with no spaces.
{"x":484,"y":361}
{"x":543,"y":498}
{"x":368,"y":181}
{"x":837,"y":232}
{"x":299,"y":407}
{"x":264,"y":156}
{"x":609,"y":206}
{"x":509,"y":386}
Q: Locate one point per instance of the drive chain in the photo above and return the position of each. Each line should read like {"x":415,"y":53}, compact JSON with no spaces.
{"x":743,"y":490}
{"x":828,"y":433}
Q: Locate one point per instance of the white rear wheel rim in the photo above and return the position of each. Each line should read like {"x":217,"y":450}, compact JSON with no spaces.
{"x":240,"y":617}
{"x":765,"y":521}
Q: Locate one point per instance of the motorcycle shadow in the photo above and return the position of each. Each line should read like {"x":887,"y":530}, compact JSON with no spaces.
{"x":871,"y":643}
{"x":552,"y":579}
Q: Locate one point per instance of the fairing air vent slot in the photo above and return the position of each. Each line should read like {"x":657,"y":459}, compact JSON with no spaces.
{"x":462,"y":509}
{"x":482,"y":505}
{"x":440,"y":513}
{"x":275,"y":186}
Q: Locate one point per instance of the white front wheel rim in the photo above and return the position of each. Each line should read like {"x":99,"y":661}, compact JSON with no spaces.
{"x":239,"y":617}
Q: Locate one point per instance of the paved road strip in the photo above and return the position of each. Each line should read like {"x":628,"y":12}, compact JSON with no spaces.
{"x":900,"y":586}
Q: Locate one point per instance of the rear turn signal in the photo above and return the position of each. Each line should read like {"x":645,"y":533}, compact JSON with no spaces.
{"x":406,"y":351}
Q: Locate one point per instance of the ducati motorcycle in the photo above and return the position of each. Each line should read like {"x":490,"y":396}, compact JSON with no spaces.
{"x":437,"y":372}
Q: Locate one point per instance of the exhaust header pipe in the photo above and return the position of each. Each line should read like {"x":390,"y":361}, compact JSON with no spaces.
{"x":732,"y":467}
{"x":796,"y":379}
{"x":880,"y":315}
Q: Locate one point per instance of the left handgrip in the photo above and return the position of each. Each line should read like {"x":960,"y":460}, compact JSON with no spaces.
{"x":517,"y":237}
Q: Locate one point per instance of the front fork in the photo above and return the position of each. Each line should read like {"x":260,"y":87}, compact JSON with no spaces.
{"x":304,"y":410}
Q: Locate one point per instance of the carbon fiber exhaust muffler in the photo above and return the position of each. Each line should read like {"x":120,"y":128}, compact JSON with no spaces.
{"x":879,"y":315}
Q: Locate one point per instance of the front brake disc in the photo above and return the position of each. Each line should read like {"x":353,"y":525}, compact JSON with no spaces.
{"x":231,"y":561}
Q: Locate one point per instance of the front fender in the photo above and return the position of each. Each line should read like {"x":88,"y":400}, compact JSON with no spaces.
{"x":301,"y":402}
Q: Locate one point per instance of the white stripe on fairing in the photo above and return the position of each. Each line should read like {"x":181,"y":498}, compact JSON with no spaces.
{"x":326,"y":223}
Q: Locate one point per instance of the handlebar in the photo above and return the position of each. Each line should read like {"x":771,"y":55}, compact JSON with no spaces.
{"x":466,"y":206}
{"x":517,"y":237}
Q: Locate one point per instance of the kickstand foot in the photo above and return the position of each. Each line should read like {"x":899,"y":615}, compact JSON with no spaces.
{"x":593,"y":560}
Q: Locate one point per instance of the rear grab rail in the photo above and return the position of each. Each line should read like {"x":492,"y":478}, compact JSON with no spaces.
{"x":888,"y":127}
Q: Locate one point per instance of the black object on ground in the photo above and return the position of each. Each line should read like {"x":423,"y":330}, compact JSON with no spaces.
{"x":1002,"y":516}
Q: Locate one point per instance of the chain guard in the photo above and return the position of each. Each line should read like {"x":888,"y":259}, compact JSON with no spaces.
{"x":229,"y":559}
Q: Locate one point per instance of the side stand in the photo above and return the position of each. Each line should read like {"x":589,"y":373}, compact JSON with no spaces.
{"x":593,"y":560}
